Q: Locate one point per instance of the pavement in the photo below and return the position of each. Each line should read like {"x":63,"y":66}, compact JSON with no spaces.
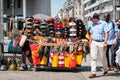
{"x":85,"y":70}
{"x":82,"y":73}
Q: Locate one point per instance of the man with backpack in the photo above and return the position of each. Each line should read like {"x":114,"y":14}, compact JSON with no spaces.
{"x":111,"y":42}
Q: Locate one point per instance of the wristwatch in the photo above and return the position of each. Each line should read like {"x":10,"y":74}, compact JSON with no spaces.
{"x":105,"y":42}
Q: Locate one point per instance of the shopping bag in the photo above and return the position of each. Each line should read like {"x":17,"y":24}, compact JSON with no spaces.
{"x":22,"y":41}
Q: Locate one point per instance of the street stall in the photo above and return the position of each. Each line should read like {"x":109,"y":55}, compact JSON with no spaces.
{"x":52,"y":44}
{"x":59,"y":57}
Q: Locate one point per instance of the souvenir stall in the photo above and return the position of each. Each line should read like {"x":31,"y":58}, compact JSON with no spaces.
{"x":51,"y":44}
{"x":61,"y":49}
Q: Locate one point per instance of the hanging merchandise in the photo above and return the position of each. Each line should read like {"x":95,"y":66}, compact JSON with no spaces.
{"x":87,"y":36}
{"x":58,"y":25}
{"x":65,"y":22}
{"x":61,"y":60}
{"x":44,"y":30}
{"x":55,"y":60}
{"x":50,"y":59}
{"x":14,"y":46}
{"x":50,"y":26}
{"x":65,"y":32}
{"x":72,"y":61}
{"x":79,"y":57}
{"x":10,"y":46}
{"x":72,"y":30}
{"x":36,"y":24}
{"x":50,"y":20}
{"x":44,"y":60}
{"x":35,"y":55}
{"x":22,"y":41}
{"x":67,"y":59}
{"x":29,"y":22}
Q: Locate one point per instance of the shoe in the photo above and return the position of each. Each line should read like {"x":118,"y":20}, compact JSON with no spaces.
{"x":106,"y":73}
{"x":115,"y":69}
{"x":92,"y":76}
{"x":108,"y":69}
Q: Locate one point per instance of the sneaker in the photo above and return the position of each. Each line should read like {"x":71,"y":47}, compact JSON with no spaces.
{"x":92,"y":76}
{"x":106,"y":73}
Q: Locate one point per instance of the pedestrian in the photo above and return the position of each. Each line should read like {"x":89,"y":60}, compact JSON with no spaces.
{"x":99,"y":36}
{"x":118,"y":24}
{"x":118,"y":46}
{"x":111,"y":42}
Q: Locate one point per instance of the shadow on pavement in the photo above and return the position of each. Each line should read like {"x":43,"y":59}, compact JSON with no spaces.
{"x":117,"y":74}
{"x":88,"y":68}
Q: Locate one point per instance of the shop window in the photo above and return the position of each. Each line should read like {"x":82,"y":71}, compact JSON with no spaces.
{"x":93,"y":1}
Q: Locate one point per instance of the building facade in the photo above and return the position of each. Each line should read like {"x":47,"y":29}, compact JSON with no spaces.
{"x":85,"y":8}
{"x":22,"y":8}
{"x":101,"y":6}
{"x":71,"y":8}
{"x":17,"y":10}
{"x":77,"y":9}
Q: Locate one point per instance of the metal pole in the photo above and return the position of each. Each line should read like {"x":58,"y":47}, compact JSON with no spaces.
{"x":1,"y":21}
{"x":13,"y":15}
{"x":24,"y":9}
{"x":114,"y":13}
{"x":1,"y":27}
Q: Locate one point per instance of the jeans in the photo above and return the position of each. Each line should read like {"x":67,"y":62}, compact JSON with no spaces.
{"x":111,"y":57}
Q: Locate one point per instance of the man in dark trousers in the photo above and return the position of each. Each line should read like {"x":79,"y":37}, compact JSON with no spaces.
{"x":112,"y":42}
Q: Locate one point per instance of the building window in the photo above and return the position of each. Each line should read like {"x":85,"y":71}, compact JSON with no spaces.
{"x":19,"y":3}
{"x":93,"y":1}
{"x":79,"y":12}
{"x":8,"y":4}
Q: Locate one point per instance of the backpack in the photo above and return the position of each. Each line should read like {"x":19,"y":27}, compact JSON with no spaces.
{"x":113,"y":24}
